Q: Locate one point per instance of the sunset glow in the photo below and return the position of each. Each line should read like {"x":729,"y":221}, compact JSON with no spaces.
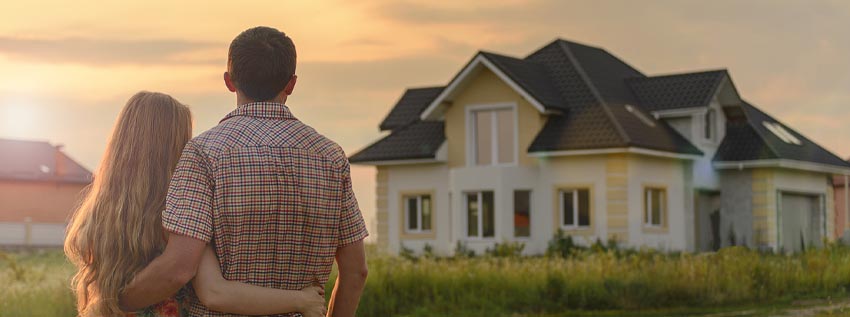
{"x":69,"y":67}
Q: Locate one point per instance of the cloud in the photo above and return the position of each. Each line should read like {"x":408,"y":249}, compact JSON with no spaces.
{"x":109,"y":52}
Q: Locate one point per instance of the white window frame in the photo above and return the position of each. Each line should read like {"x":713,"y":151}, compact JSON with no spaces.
{"x":472,"y":146}
{"x":418,"y":213}
{"x":647,"y":207}
{"x":574,"y":226}
{"x":480,"y":235}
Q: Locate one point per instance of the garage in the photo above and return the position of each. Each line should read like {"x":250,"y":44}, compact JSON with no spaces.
{"x":801,"y":221}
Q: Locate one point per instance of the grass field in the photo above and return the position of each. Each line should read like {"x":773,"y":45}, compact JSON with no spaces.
{"x":732,"y":282}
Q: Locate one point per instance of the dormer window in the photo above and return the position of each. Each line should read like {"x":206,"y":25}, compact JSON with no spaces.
{"x":709,"y":124}
{"x":780,"y":132}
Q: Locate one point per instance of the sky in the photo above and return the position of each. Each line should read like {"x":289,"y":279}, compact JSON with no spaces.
{"x":69,"y":67}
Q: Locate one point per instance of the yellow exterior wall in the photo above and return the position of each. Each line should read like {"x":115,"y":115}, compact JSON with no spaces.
{"x":487,"y":88}
{"x":381,"y":206}
{"x":617,"y":193}
{"x":764,"y":207}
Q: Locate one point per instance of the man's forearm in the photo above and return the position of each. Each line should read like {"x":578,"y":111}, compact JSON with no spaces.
{"x":346,"y":294}
{"x":165,"y":275}
{"x":157,"y":282}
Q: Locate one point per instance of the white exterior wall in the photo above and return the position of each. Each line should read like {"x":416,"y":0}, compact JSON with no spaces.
{"x":564,"y":171}
{"x":408,"y":178}
{"x":543,"y":181}
{"x":502,"y":180}
{"x":705,"y":176}
{"x":648,"y":171}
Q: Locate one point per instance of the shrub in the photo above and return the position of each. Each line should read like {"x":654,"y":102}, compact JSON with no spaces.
{"x":463,"y":251}
{"x":562,"y":245}
{"x":506,"y":249}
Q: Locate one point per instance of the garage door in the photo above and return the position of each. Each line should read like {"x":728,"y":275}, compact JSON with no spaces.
{"x":801,"y":221}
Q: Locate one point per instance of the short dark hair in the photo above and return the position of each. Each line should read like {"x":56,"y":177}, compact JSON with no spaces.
{"x":261,"y":61}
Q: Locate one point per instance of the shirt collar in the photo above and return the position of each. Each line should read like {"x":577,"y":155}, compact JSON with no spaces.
{"x":262,"y":109}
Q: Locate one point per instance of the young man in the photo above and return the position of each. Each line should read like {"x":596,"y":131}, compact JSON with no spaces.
{"x":272,"y":194}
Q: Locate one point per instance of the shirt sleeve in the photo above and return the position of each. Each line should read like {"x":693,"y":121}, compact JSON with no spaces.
{"x":352,"y":227}
{"x":188,"y":205}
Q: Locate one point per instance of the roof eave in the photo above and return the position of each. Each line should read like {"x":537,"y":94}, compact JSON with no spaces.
{"x":783,"y":163}
{"x":399,"y":162}
{"x":618,"y":150}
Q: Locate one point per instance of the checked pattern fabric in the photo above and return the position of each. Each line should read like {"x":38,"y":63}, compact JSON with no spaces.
{"x":272,"y":195}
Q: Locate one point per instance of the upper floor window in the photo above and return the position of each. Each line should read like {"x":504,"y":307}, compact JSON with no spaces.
{"x":710,"y":124}
{"x":492,"y":132}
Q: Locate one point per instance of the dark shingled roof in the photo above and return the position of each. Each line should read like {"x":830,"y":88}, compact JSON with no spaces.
{"x":39,"y":161}
{"x":586,"y":124}
{"x":599,"y":118}
{"x":749,"y":139}
{"x":601,"y":102}
{"x":676,"y":91}
{"x":419,"y":140}
{"x":531,"y":76}
{"x":409,"y":106}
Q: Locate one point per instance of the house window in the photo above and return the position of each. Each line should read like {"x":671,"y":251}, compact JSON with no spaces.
{"x":492,"y":134}
{"x":480,"y":219}
{"x":522,"y":213}
{"x":417,"y":213}
{"x":710,"y":122}
{"x":575,"y":208}
{"x":655,"y":207}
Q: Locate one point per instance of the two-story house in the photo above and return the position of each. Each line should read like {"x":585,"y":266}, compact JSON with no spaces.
{"x":571,"y":137}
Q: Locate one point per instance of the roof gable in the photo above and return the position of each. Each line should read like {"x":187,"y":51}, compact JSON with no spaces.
{"x":526,"y":74}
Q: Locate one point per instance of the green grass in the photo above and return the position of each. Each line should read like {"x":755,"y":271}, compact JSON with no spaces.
{"x":607,"y":283}
{"x":35,"y":284}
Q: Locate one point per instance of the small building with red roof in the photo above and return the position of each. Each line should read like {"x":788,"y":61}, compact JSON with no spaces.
{"x":39,"y":187}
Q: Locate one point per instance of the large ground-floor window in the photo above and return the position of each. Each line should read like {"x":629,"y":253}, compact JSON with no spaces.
{"x":522,"y":213}
{"x":417,"y":212}
{"x":575,"y":208}
{"x":655,"y":207}
{"x":480,"y":216}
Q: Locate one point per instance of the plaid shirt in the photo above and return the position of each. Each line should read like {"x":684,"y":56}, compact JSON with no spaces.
{"x":272,"y":194}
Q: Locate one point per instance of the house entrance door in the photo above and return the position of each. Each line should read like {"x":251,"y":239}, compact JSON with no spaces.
{"x":708,"y":236}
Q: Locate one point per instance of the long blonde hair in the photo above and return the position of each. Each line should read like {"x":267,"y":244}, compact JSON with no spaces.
{"x":116,"y":230}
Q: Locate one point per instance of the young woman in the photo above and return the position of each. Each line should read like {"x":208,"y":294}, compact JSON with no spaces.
{"x":116,"y":230}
